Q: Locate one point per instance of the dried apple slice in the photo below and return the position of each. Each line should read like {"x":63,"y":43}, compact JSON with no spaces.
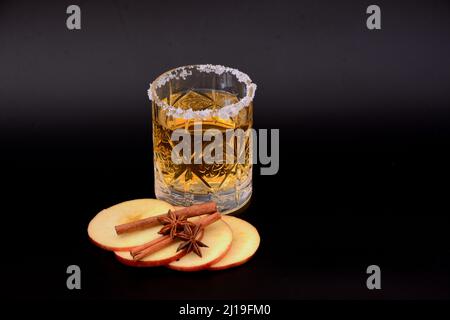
{"x":217,"y":237}
{"x":245,"y":243}
{"x":101,"y":228}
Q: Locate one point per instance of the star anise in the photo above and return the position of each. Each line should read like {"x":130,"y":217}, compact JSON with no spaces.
{"x":190,"y":235}
{"x":172,"y":224}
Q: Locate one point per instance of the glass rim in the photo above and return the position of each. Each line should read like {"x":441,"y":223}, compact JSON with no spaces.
{"x":183,"y":72}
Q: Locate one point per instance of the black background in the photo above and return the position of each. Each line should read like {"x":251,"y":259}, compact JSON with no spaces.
{"x":363,"y":118}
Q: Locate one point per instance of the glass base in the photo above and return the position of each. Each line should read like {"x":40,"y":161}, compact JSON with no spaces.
{"x":227,"y":201}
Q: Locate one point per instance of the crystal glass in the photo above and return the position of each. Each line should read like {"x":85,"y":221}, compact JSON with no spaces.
{"x":210,"y":109}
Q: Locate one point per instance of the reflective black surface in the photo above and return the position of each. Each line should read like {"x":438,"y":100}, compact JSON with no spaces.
{"x":364,"y":125}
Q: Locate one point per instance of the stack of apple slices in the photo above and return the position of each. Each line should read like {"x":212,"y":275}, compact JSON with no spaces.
{"x":129,"y":229}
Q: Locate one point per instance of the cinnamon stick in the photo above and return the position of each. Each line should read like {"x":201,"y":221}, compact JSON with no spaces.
{"x":157,"y":244}
{"x":206,"y":221}
{"x":151,"y":249}
{"x":192,"y":211}
{"x":137,"y":249}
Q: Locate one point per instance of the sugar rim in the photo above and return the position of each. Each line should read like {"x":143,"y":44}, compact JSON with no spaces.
{"x":225,"y":112}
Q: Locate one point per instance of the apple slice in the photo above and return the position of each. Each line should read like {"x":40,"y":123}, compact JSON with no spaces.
{"x":101,"y":228}
{"x":161,"y":257}
{"x":217,"y":237}
{"x":245,"y":243}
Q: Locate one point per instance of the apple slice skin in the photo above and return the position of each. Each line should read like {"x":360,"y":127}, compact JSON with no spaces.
{"x":250,"y":242}
{"x":216,"y":251}
{"x":228,"y":266}
{"x":101,"y":230}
